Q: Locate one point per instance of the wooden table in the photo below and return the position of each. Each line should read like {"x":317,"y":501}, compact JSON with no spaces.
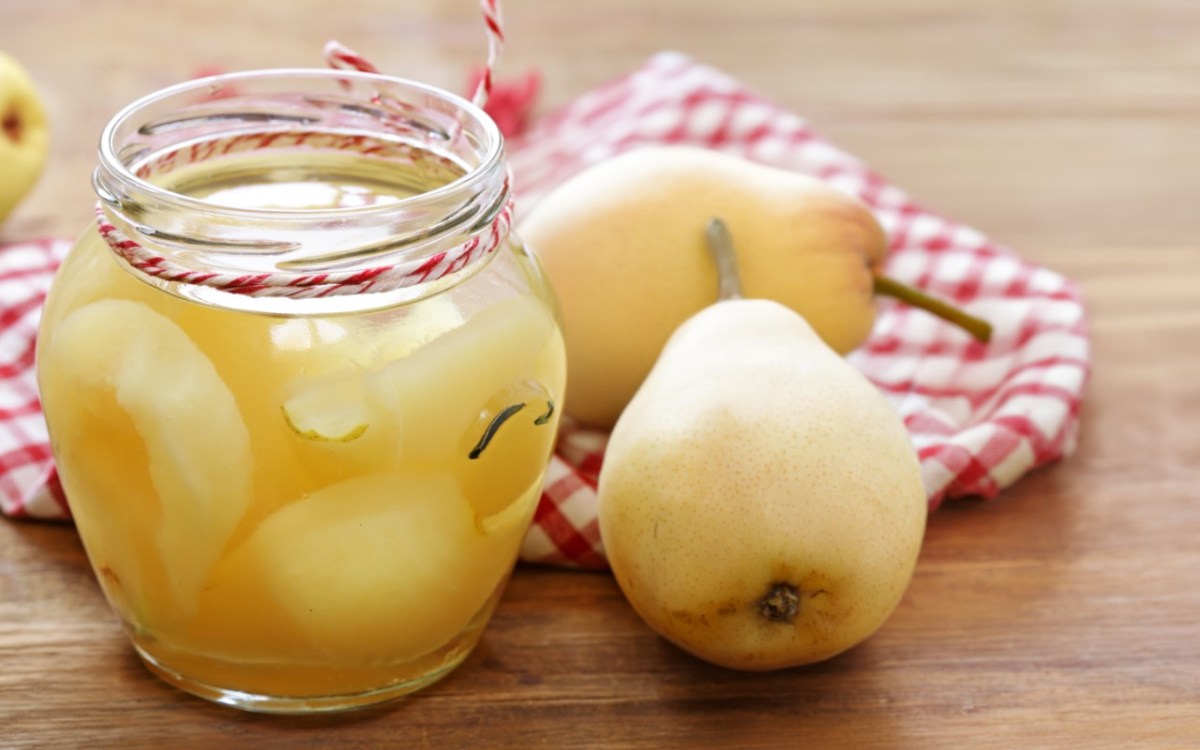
{"x":1063,"y":614}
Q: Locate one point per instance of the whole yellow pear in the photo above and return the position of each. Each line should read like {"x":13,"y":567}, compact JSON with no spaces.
{"x":24,"y":134}
{"x":760,"y":502}
{"x":619,"y":244}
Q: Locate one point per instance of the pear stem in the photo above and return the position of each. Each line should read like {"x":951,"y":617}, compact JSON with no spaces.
{"x":979,"y":329}
{"x":720,"y":246}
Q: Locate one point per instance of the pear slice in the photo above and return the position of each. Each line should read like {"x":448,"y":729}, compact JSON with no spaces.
{"x":379,"y":568}
{"x":438,"y":391}
{"x":506,"y":450}
{"x":326,"y":346}
{"x":332,"y":410}
{"x":304,"y":334}
{"x":422,"y":323}
{"x":195,"y":442}
{"x":514,"y":518}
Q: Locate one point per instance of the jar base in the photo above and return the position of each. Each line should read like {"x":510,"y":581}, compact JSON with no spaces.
{"x":297,"y":705}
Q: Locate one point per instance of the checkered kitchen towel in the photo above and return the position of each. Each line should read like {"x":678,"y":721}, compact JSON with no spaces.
{"x":28,"y":484}
{"x":980,"y":417}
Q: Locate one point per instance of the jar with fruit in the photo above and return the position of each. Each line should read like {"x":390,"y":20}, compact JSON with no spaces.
{"x":302,"y":384}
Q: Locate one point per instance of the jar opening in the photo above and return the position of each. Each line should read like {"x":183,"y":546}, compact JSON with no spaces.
{"x":296,"y":175}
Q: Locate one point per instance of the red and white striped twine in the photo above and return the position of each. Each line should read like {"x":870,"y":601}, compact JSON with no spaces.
{"x":494,"y":23}
{"x":374,"y":279}
{"x":341,"y":57}
{"x":306,"y":285}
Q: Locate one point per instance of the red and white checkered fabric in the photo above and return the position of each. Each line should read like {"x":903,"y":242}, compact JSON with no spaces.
{"x":979,"y":417}
{"x":28,"y":483}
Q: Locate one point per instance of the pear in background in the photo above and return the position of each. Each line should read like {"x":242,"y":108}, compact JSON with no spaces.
{"x":24,"y":134}
{"x":619,"y":244}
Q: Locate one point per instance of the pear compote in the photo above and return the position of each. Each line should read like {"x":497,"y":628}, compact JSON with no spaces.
{"x":302,"y":503}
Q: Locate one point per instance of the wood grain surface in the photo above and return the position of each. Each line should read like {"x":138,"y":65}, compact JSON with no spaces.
{"x":1063,"y":614}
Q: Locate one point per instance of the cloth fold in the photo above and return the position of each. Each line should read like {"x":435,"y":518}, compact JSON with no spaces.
{"x":979,"y":417}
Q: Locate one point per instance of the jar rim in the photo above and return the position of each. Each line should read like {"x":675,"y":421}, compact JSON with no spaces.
{"x":198,"y":247}
{"x":489,"y":161}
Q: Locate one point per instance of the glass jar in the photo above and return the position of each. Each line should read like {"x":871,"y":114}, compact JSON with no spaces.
{"x":302,"y":384}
